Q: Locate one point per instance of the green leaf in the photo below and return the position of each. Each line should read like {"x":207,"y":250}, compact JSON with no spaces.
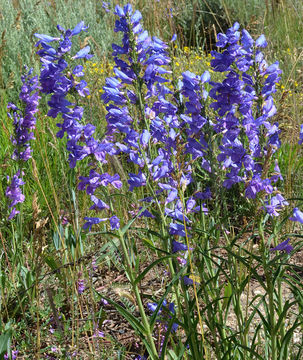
{"x":128,"y":316}
{"x":286,"y":340}
{"x":129,"y":224}
{"x":171,"y":353}
{"x":283,"y":314}
{"x":227,"y":294}
{"x":149,"y":267}
{"x":5,"y":341}
{"x":151,"y":232}
{"x":133,"y":321}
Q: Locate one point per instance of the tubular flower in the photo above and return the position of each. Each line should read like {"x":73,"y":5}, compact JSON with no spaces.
{"x":249,"y":80}
{"x":24,"y":121}
{"x":59,"y":79}
{"x":14,"y":193}
{"x":63,"y":82}
{"x":284,"y":246}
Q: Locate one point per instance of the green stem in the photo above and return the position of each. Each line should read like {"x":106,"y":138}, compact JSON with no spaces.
{"x":131,"y":277}
{"x":154,"y":354}
{"x":272,"y":317}
{"x":270,"y":291}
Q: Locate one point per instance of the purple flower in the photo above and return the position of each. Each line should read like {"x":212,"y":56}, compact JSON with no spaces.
{"x":276,"y":203}
{"x":13,"y":213}
{"x":300,"y":142}
{"x":297,"y":215}
{"x":104,"y":302}
{"x":242,"y":154}
{"x":83,"y":53}
{"x":46,"y":38}
{"x":284,"y":246}
{"x":261,"y":41}
{"x":98,"y":204}
{"x":80,"y":285}
{"x":79,"y":27}
{"x":92,"y":221}
{"x":114,"y":222}
{"x":188,"y":281}
{"x":174,"y":38}
{"x":204,"y":195}
{"x":14,"y":193}
{"x":177,"y":229}
{"x":136,"y":180}
{"x":14,"y":355}
{"x":25,"y":121}
{"x":165,"y":313}
{"x":98,"y":333}
{"x":54,"y":349}
{"x":177,"y":246}
{"x":59,"y":79}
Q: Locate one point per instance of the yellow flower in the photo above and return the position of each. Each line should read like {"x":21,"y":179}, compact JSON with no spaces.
{"x":296,"y":84}
{"x":177,"y":64}
{"x":186,"y":49}
{"x":94,"y":64}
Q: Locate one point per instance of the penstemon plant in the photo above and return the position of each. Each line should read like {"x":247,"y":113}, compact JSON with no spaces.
{"x":185,"y":146}
{"x":24,"y":125}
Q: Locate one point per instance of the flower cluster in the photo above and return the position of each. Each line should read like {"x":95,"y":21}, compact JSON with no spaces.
{"x":14,"y":355}
{"x":62,"y":81}
{"x":244,"y":104}
{"x":14,"y":193}
{"x":59,"y":79}
{"x":153,"y":136}
{"x":164,"y":315}
{"x":24,"y":121}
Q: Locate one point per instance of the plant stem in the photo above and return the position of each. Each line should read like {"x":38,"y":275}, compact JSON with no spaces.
{"x":270,"y":291}
{"x":154,"y":354}
{"x":131,"y":276}
{"x":272,"y":317}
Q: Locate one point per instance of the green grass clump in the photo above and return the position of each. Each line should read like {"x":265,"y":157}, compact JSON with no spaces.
{"x":20,"y":19}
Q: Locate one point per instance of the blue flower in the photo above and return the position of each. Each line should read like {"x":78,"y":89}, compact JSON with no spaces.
{"x":297,"y":215}
{"x":136,"y":180}
{"x":261,"y":41}
{"x":90,"y":221}
{"x":177,"y":246}
{"x":114,"y":222}
{"x":276,"y":203}
{"x":300,"y":142}
{"x":284,"y":246}
{"x":177,"y":229}
{"x":165,"y":313}
{"x":14,"y":193}
{"x":83,"y":53}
